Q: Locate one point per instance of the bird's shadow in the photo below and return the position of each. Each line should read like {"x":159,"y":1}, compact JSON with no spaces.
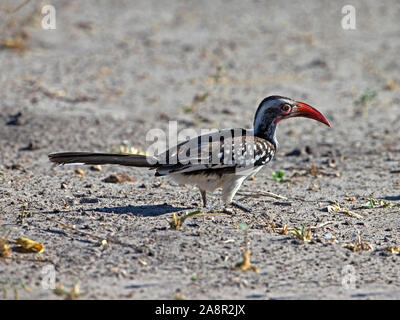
{"x":142,"y":210}
{"x":392,"y":198}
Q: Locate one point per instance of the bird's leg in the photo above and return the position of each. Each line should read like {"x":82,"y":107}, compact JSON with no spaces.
{"x":228,"y":192}
{"x":213,"y":208}
{"x":203,"y":197}
{"x":228,"y":201}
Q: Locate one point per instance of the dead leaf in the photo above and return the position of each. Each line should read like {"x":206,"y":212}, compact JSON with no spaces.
{"x":16,"y":42}
{"x":363,"y":246}
{"x":394,"y":249}
{"x":245,"y":263}
{"x":177,"y":221}
{"x":142,"y":262}
{"x":118,"y":178}
{"x":72,"y":294}
{"x":336,"y":208}
{"x":200,"y":97}
{"x":5,"y":249}
{"x":179,"y":296}
{"x":127,"y":148}
{"x":314,"y":186}
{"x":392,"y":85}
{"x":29,"y":246}
{"x":314,"y":171}
{"x":359,"y":245}
{"x":80,"y":172}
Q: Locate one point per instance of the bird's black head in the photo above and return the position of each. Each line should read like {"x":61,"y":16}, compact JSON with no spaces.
{"x":273,"y":109}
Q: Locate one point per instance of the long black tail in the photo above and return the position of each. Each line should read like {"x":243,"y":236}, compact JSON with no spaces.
{"x":132,"y":160}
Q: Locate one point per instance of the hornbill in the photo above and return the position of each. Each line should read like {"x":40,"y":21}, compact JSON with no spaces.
{"x":224,"y":158}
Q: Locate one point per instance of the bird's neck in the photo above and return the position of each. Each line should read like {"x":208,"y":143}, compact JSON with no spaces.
{"x":267,"y":130}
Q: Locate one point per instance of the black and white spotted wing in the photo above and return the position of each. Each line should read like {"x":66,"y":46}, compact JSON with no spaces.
{"x":223,"y":151}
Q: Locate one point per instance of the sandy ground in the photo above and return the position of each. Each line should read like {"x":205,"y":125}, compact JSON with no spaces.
{"x":112,"y":71}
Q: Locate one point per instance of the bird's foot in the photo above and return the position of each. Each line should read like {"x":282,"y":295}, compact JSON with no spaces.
{"x":221,"y":209}
{"x":228,"y":210}
{"x":241,"y":207}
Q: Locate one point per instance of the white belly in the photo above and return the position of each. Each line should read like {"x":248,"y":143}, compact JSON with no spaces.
{"x":206,"y":182}
{"x":210,"y":182}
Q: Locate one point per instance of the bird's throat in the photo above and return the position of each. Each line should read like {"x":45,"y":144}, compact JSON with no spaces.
{"x":267,"y":131}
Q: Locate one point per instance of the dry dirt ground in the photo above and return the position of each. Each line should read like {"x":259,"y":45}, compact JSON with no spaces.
{"x":111,"y":71}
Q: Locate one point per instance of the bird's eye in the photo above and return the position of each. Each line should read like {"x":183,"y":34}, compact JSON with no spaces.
{"x":285,"y":108}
